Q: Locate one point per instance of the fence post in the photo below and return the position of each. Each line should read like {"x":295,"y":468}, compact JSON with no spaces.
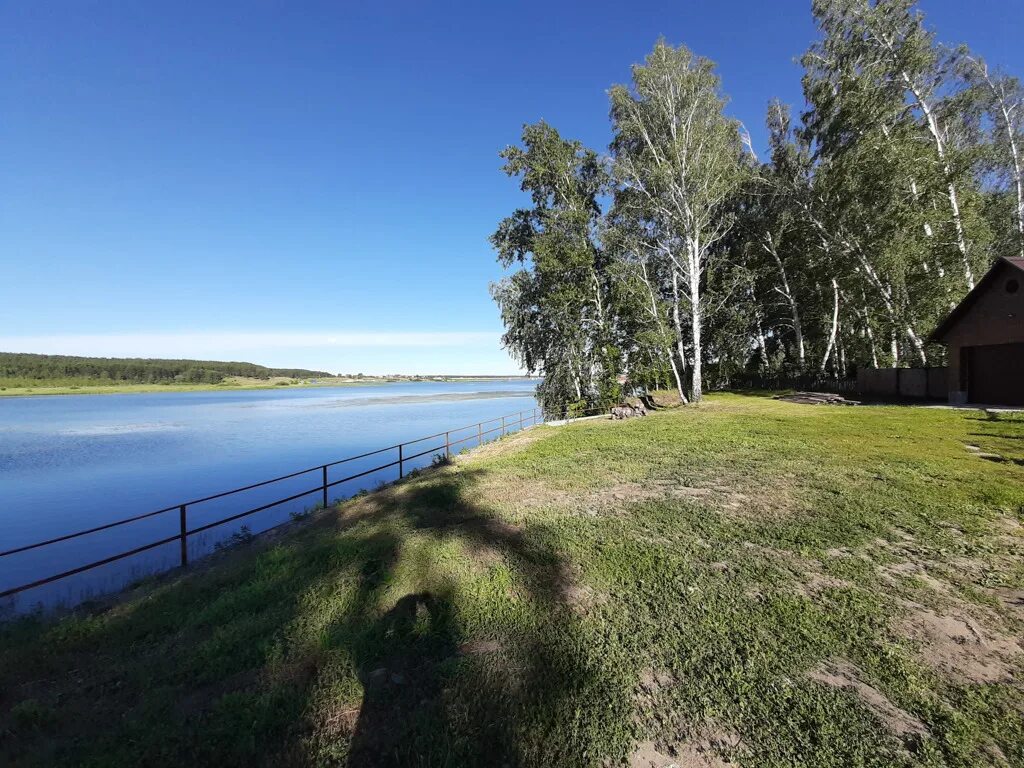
{"x":183,"y":528}
{"x":521,"y":420}
{"x":502,"y":426}
{"x":325,"y":486}
{"x":479,"y":433}
{"x":447,"y":445}
{"x":400,"y":473}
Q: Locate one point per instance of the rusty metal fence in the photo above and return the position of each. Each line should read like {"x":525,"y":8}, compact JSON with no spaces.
{"x":400,"y":455}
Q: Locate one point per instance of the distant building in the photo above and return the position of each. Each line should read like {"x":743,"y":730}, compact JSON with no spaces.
{"x":984,"y":335}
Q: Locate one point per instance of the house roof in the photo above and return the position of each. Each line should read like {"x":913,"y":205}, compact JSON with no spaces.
{"x":968,"y":301}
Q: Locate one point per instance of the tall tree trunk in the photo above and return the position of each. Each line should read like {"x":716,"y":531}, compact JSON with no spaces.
{"x":574,"y":372}
{"x":678,"y":378}
{"x":940,"y":148}
{"x":657,"y":316}
{"x":1015,"y":156}
{"x":769,"y":246}
{"x":677,"y":321}
{"x":696,"y":321}
{"x":835,"y":325}
{"x":918,"y":345}
{"x":947,"y":173}
{"x":841,"y":359}
{"x":762,"y":346}
{"x":868,"y":332}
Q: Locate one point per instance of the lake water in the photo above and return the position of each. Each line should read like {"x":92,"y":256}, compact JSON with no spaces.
{"x":69,"y":463}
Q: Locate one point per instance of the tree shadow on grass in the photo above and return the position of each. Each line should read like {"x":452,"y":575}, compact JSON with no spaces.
{"x":313,"y":652}
{"x":435,"y":695}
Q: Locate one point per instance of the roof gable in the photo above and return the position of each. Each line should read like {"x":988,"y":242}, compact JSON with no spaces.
{"x":961,"y":309}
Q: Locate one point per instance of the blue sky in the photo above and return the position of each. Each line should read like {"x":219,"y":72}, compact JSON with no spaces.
{"x":313,"y":184}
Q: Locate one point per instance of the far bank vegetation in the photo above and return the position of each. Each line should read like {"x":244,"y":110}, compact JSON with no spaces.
{"x":26,"y":370}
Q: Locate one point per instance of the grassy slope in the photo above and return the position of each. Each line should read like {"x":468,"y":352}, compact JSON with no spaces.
{"x":673,"y":579}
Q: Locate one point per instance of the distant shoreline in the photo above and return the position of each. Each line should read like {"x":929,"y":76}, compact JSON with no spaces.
{"x":233,"y":385}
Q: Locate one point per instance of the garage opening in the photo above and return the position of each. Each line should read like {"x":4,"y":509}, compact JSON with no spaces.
{"x":996,"y":374}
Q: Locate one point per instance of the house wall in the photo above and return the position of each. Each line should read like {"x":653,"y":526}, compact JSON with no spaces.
{"x":996,"y":317}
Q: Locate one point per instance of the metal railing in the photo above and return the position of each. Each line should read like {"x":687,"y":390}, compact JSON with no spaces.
{"x":520,"y":420}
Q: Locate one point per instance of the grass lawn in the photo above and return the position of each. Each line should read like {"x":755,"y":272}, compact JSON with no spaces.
{"x":746,"y":582}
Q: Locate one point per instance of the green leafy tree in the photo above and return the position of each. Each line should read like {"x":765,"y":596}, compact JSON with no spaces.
{"x":556,"y":307}
{"x":678,"y":162}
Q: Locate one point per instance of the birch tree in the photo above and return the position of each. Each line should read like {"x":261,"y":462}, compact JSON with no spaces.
{"x":678,"y":160}
{"x":1004,"y":99}
{"x":556,"y":307}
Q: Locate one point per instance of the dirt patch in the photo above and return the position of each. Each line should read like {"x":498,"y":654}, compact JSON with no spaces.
{"x":912,"y":570}
{"x":479,"y":647}
{"x":656,"y":489}
{"x":815,"y":583}
{"x":840,"y":673}
{"x":652,"y":683}
{"x":1010,"y":525}
{"x":815,"y":398}
{"x":1012,"y":600}
{"x":579,"y":598}
{"x":706,"y":746}
{"x":959,"y":647}
{"x":682,"y":755}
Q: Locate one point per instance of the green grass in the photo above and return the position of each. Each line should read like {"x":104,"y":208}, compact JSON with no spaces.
{"x":572,"y":592}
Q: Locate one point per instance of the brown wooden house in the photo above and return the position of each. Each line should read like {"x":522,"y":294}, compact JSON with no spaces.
{"x":984,"y":335}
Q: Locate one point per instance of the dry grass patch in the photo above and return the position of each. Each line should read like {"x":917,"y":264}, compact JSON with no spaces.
{"x":841,"y":674}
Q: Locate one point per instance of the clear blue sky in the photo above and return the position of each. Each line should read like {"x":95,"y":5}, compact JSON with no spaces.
{"x":314,"y":183}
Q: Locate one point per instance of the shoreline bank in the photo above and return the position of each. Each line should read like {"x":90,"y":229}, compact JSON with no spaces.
{"x":231,"y":386}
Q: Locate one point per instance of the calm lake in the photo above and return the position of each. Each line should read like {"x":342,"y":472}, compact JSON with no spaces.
{"x":74,"y":462}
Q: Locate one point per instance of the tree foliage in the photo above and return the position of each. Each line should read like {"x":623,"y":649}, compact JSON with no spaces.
{"x":872,"y":213}
{"x":49,"y":368}
{"x":556,"y":306}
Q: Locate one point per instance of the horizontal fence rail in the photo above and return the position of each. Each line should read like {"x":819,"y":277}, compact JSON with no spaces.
{"x":483,"y":431}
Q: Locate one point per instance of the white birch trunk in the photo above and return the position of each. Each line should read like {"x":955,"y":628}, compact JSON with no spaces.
{"x":835,"y":325}
{"x":790,"y":299}
{"x":1015,"y":155}
{"x":677,"y":321}
{"x":871,"y":336}
{"x":918,"y":345}
{"x":947,"y":172}
{"x":656,"y":316}
{"x":696,"y":378}
{"x":762,"y":346}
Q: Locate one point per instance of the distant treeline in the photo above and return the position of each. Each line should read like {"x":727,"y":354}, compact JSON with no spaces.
{"x":61,"y":368}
